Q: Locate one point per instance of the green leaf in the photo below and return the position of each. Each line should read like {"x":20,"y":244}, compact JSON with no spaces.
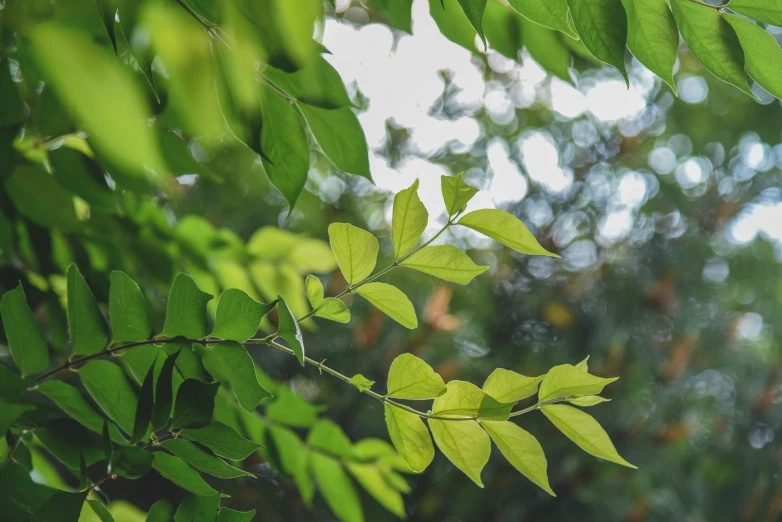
{"x":336,"y":488}
{"x":333,"y":309}
{"x":548,"y":13}
{"x":361,"y":383}
{"x":11,"y":385}
{"x":411,"y":378}
{"x":602,"y":26}
{"x":238,"y":315}
{"x":585,"y":431}
{"x":508,"y":386}
{"x":161,"y":511}
{"x":100,"y":510}
{"x":10,"y":412}
{"x":762,"y":54}
{"x":768,"y":11}
{"x":289,"y":329}
{"x":128,"y":312}
{"x":131,"y":462}
{"x":202,"y":460}
{"x":314,"y":289}
{"x":340,"y":137}
{"x":372,"y":480}
{"x":107,"y":11}
{"x":82,"y":176}
{"x":503,"y":29}
{"x":229,"y":515}
{"x":181,"y":474}
{"x":195,"y":402}
{"x":546,"y":48}
{"x":565,"y":380}
{"x":522,"y":450}
{"x":355,"y":249}
{"x":464,"y":399}
{"x":586,"y":401}
{"x":318,"y":84}
{"x":25,"y":338}
{"x":71,"y":401}
{"x":712,"y":41}
{"x":453,"y":23}
{"x":112,"y":392}
{"x":391,"y":301}
{"x":11,"y":105}
{"x":60,"y":506}
{"x":144,"y":407}
{"x":186,"y":309}
{"x":652,"y":37}
{"x":584,"y":365}
{"x":239,"y":368}
{"x":85,"y":322}
{"x":101,"y":95}
{"x":292,"y":457}
{"x":410,"y":437}
{"x":198,"y":508}
{"x":292,"y":409}
{"x":222,"y":440}
{"x":465,"y":444}
{"x":38,"y":197}
{"x":328,"y":436}
{"x":474,"y":9}
{"x":409,"y":220}
{"x":505,"y":228}
{"x":446,"y":262}
{"x":164,"y":393}
{"x":286,"y":153}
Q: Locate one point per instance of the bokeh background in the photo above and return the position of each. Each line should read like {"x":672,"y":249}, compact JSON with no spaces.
{"x":667,"y":212}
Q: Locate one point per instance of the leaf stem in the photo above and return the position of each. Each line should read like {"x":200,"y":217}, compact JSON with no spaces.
{"x":540,"y":405}
{"x":704,"y":4}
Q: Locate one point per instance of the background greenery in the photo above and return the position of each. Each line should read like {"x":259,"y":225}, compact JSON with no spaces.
{"x":681,"y":299}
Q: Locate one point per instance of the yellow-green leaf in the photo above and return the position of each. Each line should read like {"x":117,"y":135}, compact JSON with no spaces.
{"x":391,"y":301}
{"x":409,"y":220}
{"x":508,"y":386}
{"x":289,"y":329}
{"x":355,"y":250}
{"x":586,"y":401}
{"x":411,"y":378}
{"x":465,"y":444}
{"x":314,"y":290}
{"x":446,"y":262}
{"x":333,"y":309}
{"x":585,"y":431}
{"x":464,"y":399}
{"x":361,"y":383}
{"x":410,"y":437}
{"x":522,"y":450}
{"x":506,"y":228}
{"x":566,"y":380}
{"x":371,"y":479}
{"x":456,"y":193}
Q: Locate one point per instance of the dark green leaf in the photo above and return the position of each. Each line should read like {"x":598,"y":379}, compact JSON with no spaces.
{"x":59,"y":507}
{"x":222,"y":440}
{"x":652,"y":36}
{"x":341,"y":138}
{"x":69,"y":442}
{"x":762,"y":54}
{"x":317,"y":84}
{"x":82,"y":176}
{"x":474,"y":9}
{"x":85,"y":322}
{"x":239,"y":369}
{"x":11,"y":106}
{"x":712,"y":41}
{"x":238,"y":315}
{"x":107,"y":11}
{"x":196,"y":508}
{"x":164,"y":394}
{"x":131,"y":462}
{"x":128,"y":312}
{"x":25,"y":338}
{"x":110,"y":389}
{"x":38,"y":197}
{"x":11,"y":385}
{"x":195,"y":402}
{"x":202,"y":460}
{"x":289,"y":329}
{"x":186,"y":309}
{"x":229,"y":515}
{"x":161,"y":511}
{"x":144,"y":407}
{"x":284,"y":143}
{"x":10,"y":412}
{"x":72,"y":402}
{"x":178,"y":472}
{"x":553,"y":14}
{"x":602,"y":26}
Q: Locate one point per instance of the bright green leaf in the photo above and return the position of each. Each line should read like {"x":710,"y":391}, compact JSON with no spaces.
{"x":391,"y":301}
{"x":585,"y":431}
{"x":464,"y":399}
{"x":505,"y":228}
{"x":565,"y":380}
{"x":341,"y":138}
{"x":25,"y":338}
{"x":181,"y":474}
{"x":584,"y":365}
{"x":110,"y":389}
{"x":522,"y":450}
{"x":712,"y":41}
{"x":456,"y":193}
{"x":238,"y":315}
{"x":652,"y":36}
{"x":222,"y":440}
{"x":465,"y":444}
{"x":355,"y":249}
{"x":289,"y":329}
{"x":508,"y":386}
{"x":333,"y":309}
{"x":203,"y":460}
{"x":586,"y":401}
{"x":762,"y":54}
{"x":361,"y":383}
{"x":548,"y":13}
{"x":411,"y":378}
{"x":186,"y":309}
{"x":326,"y":435}
{"x":446,"y":262}
{"x":768,"y":11}
{"x":238,"y":367}
{"x":128,"y":312}
{"x":372,"y":480}
{"x":409,"y":220}
{"x":546,"y":48}
{"x":314,"y":289}
{"x":336,"y":488}
{"x":195,"y":402}
{"x":85,"y":321}
{"x":410,"y":437}
{"x":602,"y":26}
